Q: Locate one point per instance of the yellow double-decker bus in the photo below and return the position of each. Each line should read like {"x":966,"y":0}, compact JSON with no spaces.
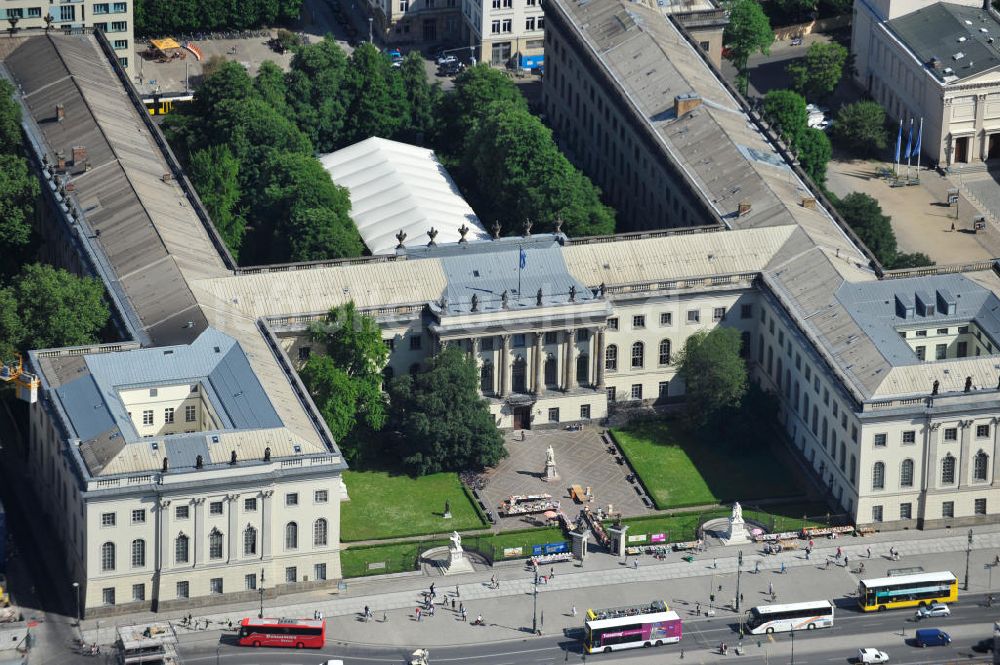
{"x":886,"y":593}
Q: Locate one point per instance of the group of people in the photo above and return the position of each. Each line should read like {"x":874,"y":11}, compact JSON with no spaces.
{"x":427,"y":607}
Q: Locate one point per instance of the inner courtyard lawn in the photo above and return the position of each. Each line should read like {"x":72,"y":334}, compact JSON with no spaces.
{"x":680,"y":470}
{"x":387,"y":505}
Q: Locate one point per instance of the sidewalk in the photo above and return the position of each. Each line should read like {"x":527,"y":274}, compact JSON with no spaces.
{"x":603,"y":581}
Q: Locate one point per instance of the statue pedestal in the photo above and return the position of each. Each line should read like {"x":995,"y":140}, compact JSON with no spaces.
{"x":737,"y":532}
{"x":447,"y":515}
{"x":457,"y":563}
{"x":550,"y":473}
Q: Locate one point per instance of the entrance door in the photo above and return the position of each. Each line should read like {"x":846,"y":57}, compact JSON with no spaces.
{"x":962,"y":150}
{"x":993,"y":147}
{"x":430,"y":29}
{"x":522,"y":417}
{"x":500,"y":53}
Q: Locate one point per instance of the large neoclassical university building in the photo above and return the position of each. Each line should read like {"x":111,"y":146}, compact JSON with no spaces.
{"x":187,"y":464}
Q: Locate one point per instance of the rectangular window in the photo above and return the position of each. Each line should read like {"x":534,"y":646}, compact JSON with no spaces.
{"x":948,"y":509}
{"x":319,"y":572}
{"x":108,"y":595}
{"x":876,"y":513}
{"x":963,"y":349}
{"x":321,"y":496}
{"x":147,"y":417}
{"x":138,"y":517}
{"x":102,"y":8}
{"x":951,"y":434}
{"x":404,"y":5}
{"x":508,"y":24}
{"x":906,"y":511}
{"x":190,"y":413}
{"x":108,"y":519}
{"x":486,"y":344}
{"x":921,"y":353}
{"x":119,"y":8}
{"x":215,"y":585}
{"x":183,"y":590}
{"x":34,"y":12}
{"x":292,"y":499}
{"x":496,"y":4}
{"x":980,"y":507}
{"x":541,"y":23}
{"x":119,"y":26}
{"x":168,"y":415}
{"x":584,"y":412}
{"x":718,"y":313}
{"x":921,"y":333}
{"x":250,"y":582}
{"x":909,"y":436}
{"x":880,"y":440}
{"x":942,"y":331}
{"x":250,"y":505}
{"x":551,"y":337}
{"x":612,"y":393}
{"x":666,"y":319}
{"x":639,"y":321}
{"x":138,"y":592}
{"x":529,"y":23}
{"x":554,"y":415}
{"x":613,"y":323}
{"x":746,"y":311}
{"x":582,"y":335}
{"x":103,"y":27}
{"x":68,"y":13}
{"x":416,"y":342}
{"x":982,"y":431}
{"x":215,"y":508}
{"x":694,"y":316}
{"x":518,"y":341}
{"x":306,"y":351}
{"x":663,"y":388}
{"x":182,"y":512}
{"x":291,"y":574}
{"x":940,"y":351}
{"x":636,"y":391}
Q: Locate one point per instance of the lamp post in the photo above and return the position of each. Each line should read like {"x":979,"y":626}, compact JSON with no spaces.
{"x":968,"y":552}
{"x":793,"y":649}
{"x":76,"y":586}
{"x":260,"y":615}
{"x":370,"y":40}
{"x":534,"y":605}
{"x":989,"y":591}
{"x":739,"y":571}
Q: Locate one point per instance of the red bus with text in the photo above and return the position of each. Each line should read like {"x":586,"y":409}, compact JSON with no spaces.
{"x":290,"y":633}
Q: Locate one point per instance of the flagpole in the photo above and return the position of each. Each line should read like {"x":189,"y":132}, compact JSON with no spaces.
{"x":920,"y":134}
{"x":520,"y":264}
{"x":899,"y":144}
{"x":909,"y":150}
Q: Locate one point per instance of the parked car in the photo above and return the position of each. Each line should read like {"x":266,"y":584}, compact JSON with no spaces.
{"x":932,"y":637}
{"x":446,"y":58}
{"x":934,"y":610}
{"x":450,"y":69}
{"x":797,"y":40}
{"x":872,"y":656}
{"x":983,"y":646}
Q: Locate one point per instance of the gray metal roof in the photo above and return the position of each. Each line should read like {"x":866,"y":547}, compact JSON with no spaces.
{"x":962,"y":38}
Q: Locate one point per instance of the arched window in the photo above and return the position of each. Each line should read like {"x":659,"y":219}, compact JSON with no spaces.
{"x":108,"y":556}
{"x":611,"y":358}
{"x":854,"y":469}
{"x":878,"y":476}
{"x":638,"y":355}
{"x":181,"y":549}
{"x":138,"y":553}
{"x":906,"y":473}
{"x":518,"y":376}
{"x":486,"y":378}
{"x":319,"y":533}
{"x":249,"y":540}
{"x":665,"y":352}
{"x":291,"y":536}
{"x":215,"y":544}
{"x":948,"y":470}
{"x":583,"y":369}
{"x":981,"y":466}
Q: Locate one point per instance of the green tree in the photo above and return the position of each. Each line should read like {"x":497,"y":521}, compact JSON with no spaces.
{"x":860,"y":128}
{"x":215,"y":174}
{"x":270,"y":85}
{"x":794,"y":10}
{"x":913,"y":260}
{"x":445,"y":425}
{"x":354,"y":341}
{"x":317,"y":94}
{"x":814,"y":152}
{"x":11,"y":326}
{"x":10,"y":119}
{"x":714,"y":374}
{"x":819,"y":74}
{"x":476,"y":90}
{"x":747,"y":32}
{"x":375,"y":90}
{"x":18,"y":192}
{"x":421,"y":97}
{"x":57,"y":308}
{"x":786,"y":110}
{"x":230,"y":82}
{"x":864,"y":215}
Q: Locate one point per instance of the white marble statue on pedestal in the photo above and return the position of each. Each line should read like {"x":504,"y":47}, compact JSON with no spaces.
{"x":457,"y":563}
{"x":550,"y":466}
{"x":737,"y":527}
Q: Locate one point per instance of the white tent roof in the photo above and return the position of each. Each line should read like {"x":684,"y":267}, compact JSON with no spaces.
{"x":396,"y":186}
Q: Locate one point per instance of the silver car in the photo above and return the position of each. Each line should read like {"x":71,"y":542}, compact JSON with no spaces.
{"x":934,"y":610}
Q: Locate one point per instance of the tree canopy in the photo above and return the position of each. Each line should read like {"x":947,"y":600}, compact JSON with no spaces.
{"x":714,"y":373}
{"x":747,"y":32}
{"x":786,"y":110}
{"x":817,"y":76}
{"x":161,"y":17}
{"x":860,"y":128}
{"x":444,"y":423}
{"x":814,"y":152}
{"x":864,"y":215}
{"x":10,"y":119}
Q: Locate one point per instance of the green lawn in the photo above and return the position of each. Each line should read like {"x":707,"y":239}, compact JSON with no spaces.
{"x":396,"y":558}
{"x":682,"y":527}
{"x":679,"y":470}
{"x":384,"y":505}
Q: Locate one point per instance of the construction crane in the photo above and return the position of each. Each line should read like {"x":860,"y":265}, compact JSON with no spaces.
{"x":27,"y":383}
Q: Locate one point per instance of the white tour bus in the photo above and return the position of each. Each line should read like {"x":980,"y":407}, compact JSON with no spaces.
{"x":793,"y":616}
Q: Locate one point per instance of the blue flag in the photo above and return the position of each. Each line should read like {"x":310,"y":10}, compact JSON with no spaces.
{"x":909,"y":141}
{"x":920,"y":133}
{"x":524,"y":259}
{"x":899,"y":140}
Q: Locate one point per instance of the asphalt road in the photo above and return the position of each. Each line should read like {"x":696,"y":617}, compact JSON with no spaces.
{"x":890,"y":631}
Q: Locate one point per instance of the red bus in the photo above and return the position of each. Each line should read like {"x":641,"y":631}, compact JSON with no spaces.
{"x":298,"y":633}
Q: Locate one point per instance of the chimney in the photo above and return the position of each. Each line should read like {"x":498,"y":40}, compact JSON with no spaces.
{"x":60,"y":161}
{"x":60,"y":112}
{"x":809,"y":202}
{"x":744,"y":208}
{"x":167,"y":177}
{"x":79,"y":155}
{"x":934,"y":63}
{"x":685,"y":103}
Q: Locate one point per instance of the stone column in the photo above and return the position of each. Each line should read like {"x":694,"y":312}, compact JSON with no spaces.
{"x":570,"y":382}
{"x":504,"y":368}
{"x":539,"y":365}
{"x":980,"y":138}
{"x":197,"y":540}
{"x":231,"y":515}
{"x":163,"y":538}
{"x":963,"y":466}
{"x":474,"y":346}
{"x":265,"y":523}
{"x":600,"y":358}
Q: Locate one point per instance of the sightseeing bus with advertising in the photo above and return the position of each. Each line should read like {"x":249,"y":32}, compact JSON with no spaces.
{"x":886,"y":593}
{"x":291,"y":633}
{"x":788,"y":617}
{"x":629,"y":627}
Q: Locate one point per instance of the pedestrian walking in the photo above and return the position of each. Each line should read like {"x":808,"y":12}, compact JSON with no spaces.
{"x":465,"y":615}
{"x":770,"y":588}
{"x":573,"y":610}
{"x":385,"y":617}
{"x":433,"y":594}
{"x":812,"y":544}
{"x":807,"y":554}
{"x":869,"y":552}
{"x":715,"y":563}
{"x":840,"y":553}
{"x":697,"y":609}
{"x":827,"y":564}
{"x":552,"y":572}
{"x":635,"y":563}
{"x":453,"y":604}
{"x":457,"y":594}
{"x":418,"y":614}
{"x":368,"y":613}
{"x":845,"y":561}
{"x":782,"y":567}
{"x":996,"y":561}
{"x":756,"y":567}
